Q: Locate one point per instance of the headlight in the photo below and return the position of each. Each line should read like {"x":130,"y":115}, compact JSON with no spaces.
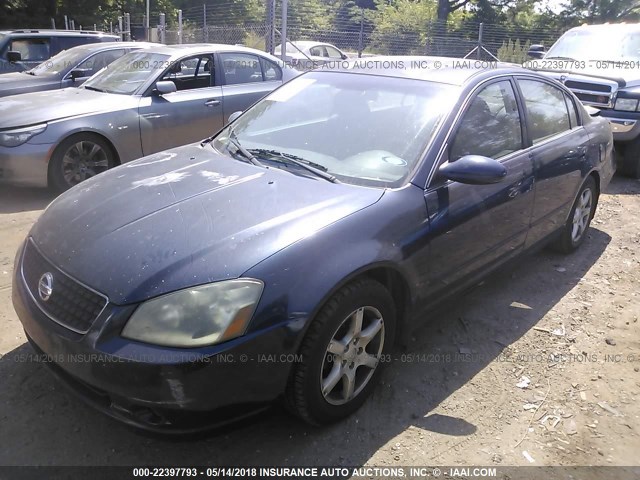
{"x":626,"y":104}
{"x":13,"y":138}
{"x":198,"y":316}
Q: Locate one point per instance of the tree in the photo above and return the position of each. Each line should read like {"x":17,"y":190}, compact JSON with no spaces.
{"x":600,"y":11}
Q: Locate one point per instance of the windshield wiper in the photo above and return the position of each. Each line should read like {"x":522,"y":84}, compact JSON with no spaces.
{"x":28,"y":72}
{"x":315,"y":168}
{"x":233,"y":140}
{"x":95,"y":89}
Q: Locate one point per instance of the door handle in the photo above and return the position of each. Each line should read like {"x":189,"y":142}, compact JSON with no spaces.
{"x":212,"y":103}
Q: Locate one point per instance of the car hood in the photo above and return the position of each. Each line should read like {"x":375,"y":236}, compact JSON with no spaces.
{"x":15,"y":83}
{"x":39,"y":107}
{"x":185,"y":217}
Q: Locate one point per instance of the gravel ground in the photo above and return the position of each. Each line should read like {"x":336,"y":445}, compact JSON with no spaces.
{"x":539,"y":364}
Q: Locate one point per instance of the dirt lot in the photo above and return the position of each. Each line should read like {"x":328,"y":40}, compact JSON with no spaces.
{"x":567,"y":324}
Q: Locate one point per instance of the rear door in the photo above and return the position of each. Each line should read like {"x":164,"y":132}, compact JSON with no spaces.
{"x":192,"y":113}
{"x":559,"y":153}
{"x":477,"y":226}
{"x":246,"y":79}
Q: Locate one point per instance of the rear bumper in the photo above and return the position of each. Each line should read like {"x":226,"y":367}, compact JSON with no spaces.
{"x":159,"y":389}
{"x":26,"y":164}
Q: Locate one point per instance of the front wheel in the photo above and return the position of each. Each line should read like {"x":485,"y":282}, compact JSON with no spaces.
{"x":78,"y":158}
{"x":575,"y":230}
{"x":342,"y":353}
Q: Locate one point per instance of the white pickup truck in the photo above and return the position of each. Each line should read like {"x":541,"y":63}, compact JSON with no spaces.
{"x":601,"y":65}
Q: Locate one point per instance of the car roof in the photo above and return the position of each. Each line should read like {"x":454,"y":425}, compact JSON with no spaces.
{"x":202,"y":48}
{"x":453,"y":71}
{"x":101,"y":46}
{"x":58,"y":33}
{"x":633,"y":27}
{"x":308,"y":43}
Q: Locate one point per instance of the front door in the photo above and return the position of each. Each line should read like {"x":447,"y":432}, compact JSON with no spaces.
{"x":192,"y":113}
{"x":476,"y":226}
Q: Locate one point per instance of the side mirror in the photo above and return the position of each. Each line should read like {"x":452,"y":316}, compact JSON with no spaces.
{"x":14,"y":57}
{"x":234,"y":115}
{"x":165,"y":86}
{"x":345,"y":56}
{"x":79,"y":73}
{"x":474,"y":170}
{"x":536,"y":51}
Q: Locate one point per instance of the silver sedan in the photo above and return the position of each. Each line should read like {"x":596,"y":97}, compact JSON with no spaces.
{"x":145,"y":102}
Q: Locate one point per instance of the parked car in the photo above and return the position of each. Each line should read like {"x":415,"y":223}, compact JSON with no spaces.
{"x":283,"y":256}
{"x":69,"y":68}
{"x":601,"y":65}
{"x":306,"y":55}
{"x":24,"y":49}
{"x":142,"y":103}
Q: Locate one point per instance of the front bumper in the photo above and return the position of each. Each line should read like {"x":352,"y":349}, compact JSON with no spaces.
{"x":26,"y":164}
{"x":159,"y":389}
{"x":624,"y":125}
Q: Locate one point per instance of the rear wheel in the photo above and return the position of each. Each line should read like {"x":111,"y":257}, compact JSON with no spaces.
{"x":575,"y":230}
{"x":78,"y":158}
{"x":342,"y":353}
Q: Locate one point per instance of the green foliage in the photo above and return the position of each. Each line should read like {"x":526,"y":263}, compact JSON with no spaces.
{"x":403,"y":20}
{"x":513,"y":51}
{"x":253,"y":40}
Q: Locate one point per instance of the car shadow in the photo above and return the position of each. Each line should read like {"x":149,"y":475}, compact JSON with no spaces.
{"x":620,"y":185}
{"x":43,"y":424}
{"x":23,"y":199}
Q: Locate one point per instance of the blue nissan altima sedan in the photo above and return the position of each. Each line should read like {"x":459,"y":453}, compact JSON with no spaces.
{"x":281,"y":258}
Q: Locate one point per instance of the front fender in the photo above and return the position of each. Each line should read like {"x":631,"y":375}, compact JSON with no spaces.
{"x":302,"y":277}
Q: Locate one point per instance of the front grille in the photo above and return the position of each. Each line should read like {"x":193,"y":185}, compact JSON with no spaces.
{"x":599,"y":94}
{"x":594,"y":87}
{"x":70,"y":304}
{"x":594,"y":99}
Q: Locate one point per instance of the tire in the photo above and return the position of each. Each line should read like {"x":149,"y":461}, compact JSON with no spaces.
{"x":325,"y":357}
{"x":630,"y":166}
{"x":575,"y":230}
{"x":78,"y":158}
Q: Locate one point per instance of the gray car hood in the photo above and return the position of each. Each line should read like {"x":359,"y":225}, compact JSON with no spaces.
{"x":16,"y":83}
{"x":185,"y":217}
{"x":40,"y":107}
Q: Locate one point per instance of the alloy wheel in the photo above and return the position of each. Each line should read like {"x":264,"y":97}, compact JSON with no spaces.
{"x":352,"y":355}
{"x":83,"y":160}
{"x":581,"y":215}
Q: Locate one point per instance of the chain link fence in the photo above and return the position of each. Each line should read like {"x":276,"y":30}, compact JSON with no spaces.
{"x":355,"y":31}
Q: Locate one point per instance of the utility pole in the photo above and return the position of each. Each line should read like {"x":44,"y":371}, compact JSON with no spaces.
{"x":283,"y":32}
{"x":147,"y":32}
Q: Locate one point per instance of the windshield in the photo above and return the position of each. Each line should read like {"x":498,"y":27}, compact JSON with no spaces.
{"x":598,"y":44}
{"x":362,"y":129}
{"x":58,"y":63}
{"x":128,"y":73}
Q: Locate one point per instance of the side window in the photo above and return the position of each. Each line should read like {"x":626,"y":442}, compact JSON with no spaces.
{"x":241,"y":68}
{"x":65,"y":43}
{"x":191,"y":72}
{"x":32,"y":49}
{"x":573,"y":116}
{"x":333,"y":53}
{"x":317,"y":51}
{"x":97,"y":62}
{"x":546,"y":109}
{"x":490,"y":126}
{"x":270,"y":70}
